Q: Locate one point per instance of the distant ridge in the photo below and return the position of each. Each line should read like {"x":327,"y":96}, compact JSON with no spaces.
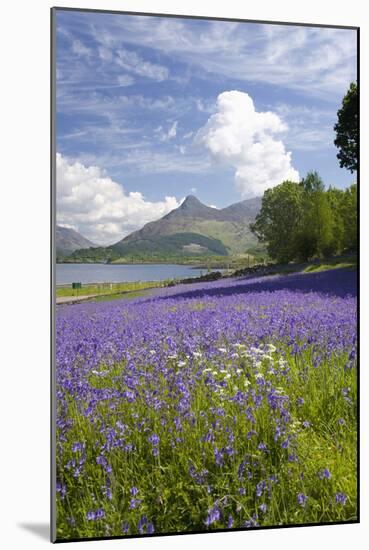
{"x":68,"y":240}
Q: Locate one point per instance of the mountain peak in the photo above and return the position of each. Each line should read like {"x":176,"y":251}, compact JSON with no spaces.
{"x":191,"y":200}
{"x":185,"y":226}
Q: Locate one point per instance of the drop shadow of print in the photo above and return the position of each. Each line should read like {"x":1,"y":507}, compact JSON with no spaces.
{"x":41,"y":530}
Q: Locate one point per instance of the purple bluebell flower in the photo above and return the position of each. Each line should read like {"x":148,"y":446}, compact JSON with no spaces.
{"x":142,"y":524}
{"x":154,"y":439}
{"x":93,"y":515}
{"x":260,"y":487}
{"x":101,"y":460}
{"x":213,"y":515}
{"x":219,"y":461}
{"x":78,"y":447}
{"x":324,"y":474}
{"x":61,"y":489}
{"x":252,"y":522}
{"x":134,"y":502}
{"x":302,"y":499}
{"x":100,"y":513}
{"x":125,"y":527}
{"x":341,"y":498}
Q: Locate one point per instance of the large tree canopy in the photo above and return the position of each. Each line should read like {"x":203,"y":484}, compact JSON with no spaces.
{"x":347,"y":130}
{"x":301,"y":221}
{"x":278,"y":220}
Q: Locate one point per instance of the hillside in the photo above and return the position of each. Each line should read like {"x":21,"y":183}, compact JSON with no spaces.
{"x":68,"y":240}
{"x":224,"y":231}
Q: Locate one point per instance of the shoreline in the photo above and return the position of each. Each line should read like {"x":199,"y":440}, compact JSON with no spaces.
{"x":189,"y":265}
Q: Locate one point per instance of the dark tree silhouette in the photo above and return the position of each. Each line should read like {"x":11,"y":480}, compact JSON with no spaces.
{"x":347,"y":130}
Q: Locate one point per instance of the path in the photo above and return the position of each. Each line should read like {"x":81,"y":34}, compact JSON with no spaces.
{"x":73,"y":299}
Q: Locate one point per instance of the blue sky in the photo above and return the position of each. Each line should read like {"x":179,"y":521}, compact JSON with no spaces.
{"x":152,"y":109}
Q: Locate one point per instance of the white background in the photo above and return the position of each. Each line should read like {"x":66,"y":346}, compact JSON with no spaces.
{"x":24,"y":218}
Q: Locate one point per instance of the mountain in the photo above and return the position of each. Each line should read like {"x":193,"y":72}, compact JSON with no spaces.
{"x":68,"y":240}
{"x":195,"y":229}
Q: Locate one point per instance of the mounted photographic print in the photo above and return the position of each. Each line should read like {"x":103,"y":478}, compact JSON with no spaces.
{"x":204,"y":274}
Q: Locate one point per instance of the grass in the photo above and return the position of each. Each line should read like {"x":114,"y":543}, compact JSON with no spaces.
{"x":339,"y":264}
{"x":349,"y":262}
{"x":106,"y":289}
{"x":121,"y":296}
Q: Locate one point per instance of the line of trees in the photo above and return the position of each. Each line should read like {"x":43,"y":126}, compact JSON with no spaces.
{"x":302,"y":221}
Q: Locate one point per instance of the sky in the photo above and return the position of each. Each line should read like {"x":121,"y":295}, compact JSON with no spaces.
{"x":152,"y":109}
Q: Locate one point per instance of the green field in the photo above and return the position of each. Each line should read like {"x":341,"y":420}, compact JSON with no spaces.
{"x":107,"y":289}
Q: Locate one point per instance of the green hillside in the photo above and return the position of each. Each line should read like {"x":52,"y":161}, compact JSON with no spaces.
{"x":191,"y":230}
{"x":175,"y":243}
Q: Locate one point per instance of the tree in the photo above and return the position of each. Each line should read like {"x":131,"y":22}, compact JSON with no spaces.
{"x":350,"y":217}
{"x":347,"y":130}
{"x":315,"y":232}
{"x":336,"y":200}
{"x":278,"y":220}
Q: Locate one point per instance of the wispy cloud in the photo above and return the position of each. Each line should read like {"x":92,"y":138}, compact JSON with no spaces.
{"x":131,"y":61}
{"x":80,"y":49}
{"x":318,"y":61}
{"x":169,"y":134}
{"x":310,"y":128}
{"x":150,"y":161}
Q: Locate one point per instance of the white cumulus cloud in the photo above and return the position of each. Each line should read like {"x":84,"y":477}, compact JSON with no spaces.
{"x":239,"y":136}
{"x":98,"y":207}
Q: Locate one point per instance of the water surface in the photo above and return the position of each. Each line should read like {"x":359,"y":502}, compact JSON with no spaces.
{"x":114,"y":273}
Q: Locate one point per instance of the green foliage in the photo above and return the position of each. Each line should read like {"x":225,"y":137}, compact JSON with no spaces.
{"x":99,"y":254}
{"x":157,"y":248}
{"x":303,"y":221}
{"x":336,"y":199}
{"x":172,"y":244}
{"x":339,"y":264}
{"x":278,"y":220}
{"x":105,"y":289}
{"x":347,"y":130}
{"x":314,"y":235}
{"x":349,"y":215}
